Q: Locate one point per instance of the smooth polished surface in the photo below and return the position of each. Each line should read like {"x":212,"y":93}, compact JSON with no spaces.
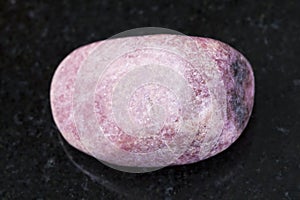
{"x":191,"y":95}
{"x":262,"y":164}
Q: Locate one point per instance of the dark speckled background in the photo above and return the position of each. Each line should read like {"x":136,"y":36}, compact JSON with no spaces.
{"x":35,"y":163}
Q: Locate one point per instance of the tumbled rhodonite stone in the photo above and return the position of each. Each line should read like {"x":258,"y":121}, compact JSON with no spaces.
{"x":152,"y":101}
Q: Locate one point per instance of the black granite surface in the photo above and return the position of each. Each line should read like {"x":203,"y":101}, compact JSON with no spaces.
{"x":35,"y":163}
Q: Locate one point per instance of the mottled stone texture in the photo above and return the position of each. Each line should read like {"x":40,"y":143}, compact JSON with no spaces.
{"x":222,"y":91}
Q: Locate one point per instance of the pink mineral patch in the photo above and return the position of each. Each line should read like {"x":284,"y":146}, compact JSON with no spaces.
{"x":152,"y":101}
